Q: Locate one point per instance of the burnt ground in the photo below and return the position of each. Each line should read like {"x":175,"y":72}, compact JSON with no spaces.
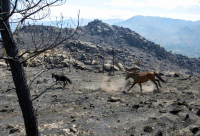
{"x":94,"y":105}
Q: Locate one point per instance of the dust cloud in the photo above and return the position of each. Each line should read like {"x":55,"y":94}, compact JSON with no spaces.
{"x":148,"y":88}
{"x":107,"y":84}
{"x":110,"y":84}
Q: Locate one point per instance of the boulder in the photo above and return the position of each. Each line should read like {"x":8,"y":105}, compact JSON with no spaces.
{"x":132,"y":68}
{"x":65,"y":63}
{"x":94,"y":62}
{"x":119,"y":65}
{"x":2,"y":64}
{"x":148,"y":129}
{"x":115,"y":68}
{"x":80,"y":65}
{"x":107,"y":66}
{"x":99,"y":27}
{"x":114,"y":99}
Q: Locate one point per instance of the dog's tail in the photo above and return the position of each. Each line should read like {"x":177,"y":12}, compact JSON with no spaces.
{"x":158,"y":76}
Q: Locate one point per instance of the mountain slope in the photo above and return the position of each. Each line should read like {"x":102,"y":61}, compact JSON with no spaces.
{"x":128,"y":45}
{"x":176,"y":35}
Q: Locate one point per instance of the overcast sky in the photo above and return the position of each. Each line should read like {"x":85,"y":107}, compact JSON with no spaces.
{"x":125,"y":9}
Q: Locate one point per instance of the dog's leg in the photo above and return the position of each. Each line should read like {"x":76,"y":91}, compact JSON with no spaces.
{"x":64,"y":84}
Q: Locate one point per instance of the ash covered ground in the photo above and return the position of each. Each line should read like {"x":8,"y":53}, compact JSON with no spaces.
{"x":94,"y":105}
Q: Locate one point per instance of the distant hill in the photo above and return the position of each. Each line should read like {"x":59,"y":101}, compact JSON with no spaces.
{"x":178,"y":36}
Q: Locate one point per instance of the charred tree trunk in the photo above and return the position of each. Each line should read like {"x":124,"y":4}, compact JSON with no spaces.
{"x":18,"y":74}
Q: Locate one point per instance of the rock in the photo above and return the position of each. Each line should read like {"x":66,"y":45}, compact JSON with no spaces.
{"x":9,"y":89}
{"x":119,"y":65}
{"x":39,"y":82}
{"x":187,"y":117}
{"x":94,"y":62}
{"x":54,"y":95}
{"x":99,"y":31}
{"x":7,"y":109}
{"x":92,"y":106}
{"x":136,"y":106}
{"x":176,"y":75}
{"x":194,"y":130}
{"x":198,"y":113}
{"x":9,"y":127}
{"x":99,"y":27}
{"x":2,"y":64}
{"x":45,"y":80}
{"x":73,"y":130}
{"x":71,"y":61}
{"x":67,"y":131}
{"x":80,"y":65}
{"x":159,"y":133}
{"x":148,"y":129}
{"x":107,"y":67}
{"x":114,"y":99}
{"x":88,"y":47}
{"x":175,"y":111}
{"x":36,"y":91}
{"x":162,"y":111}
{"x":115,"y":68}
{"x":13,"y":130}
{"x":132,"y":68}
{"x":182,"y":103}
{"x":105,"y":29}
{"x":65,"y":63}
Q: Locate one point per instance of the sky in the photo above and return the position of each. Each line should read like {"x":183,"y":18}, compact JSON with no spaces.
{"x":125,"y":9}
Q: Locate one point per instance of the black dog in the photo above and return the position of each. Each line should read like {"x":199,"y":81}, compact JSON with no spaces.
{"x":62,"y":78}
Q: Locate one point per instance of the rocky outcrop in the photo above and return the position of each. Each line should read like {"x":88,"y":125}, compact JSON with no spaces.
{"x":98,"y":39}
